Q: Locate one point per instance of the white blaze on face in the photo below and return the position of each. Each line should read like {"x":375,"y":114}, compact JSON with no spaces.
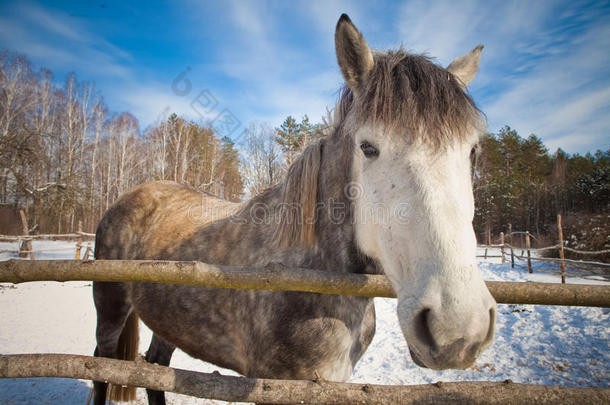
{"x":413,"y":214}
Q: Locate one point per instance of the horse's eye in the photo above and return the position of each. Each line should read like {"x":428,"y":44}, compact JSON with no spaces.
{"x":474,"y":153}
{"x":369,"y":150}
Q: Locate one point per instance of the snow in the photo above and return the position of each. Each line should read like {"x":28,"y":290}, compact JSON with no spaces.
{"x":567,"y":346}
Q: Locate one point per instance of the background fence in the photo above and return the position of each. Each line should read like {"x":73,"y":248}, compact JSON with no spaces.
{"x":507,"y":249}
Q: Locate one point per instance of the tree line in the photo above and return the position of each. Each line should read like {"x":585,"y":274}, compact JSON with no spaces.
{"x":517,"y":181}
{"x":65,"y":157}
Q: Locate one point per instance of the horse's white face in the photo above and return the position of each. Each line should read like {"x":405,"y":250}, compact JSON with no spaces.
{"x":413,"y":214}
{"x":413,"y":211}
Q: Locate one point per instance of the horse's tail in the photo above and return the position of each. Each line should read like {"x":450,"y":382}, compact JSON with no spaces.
{"x":127,"y":349}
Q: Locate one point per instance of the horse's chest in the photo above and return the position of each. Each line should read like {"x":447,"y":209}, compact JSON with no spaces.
{"x":326,"y":344}
{"x":337,"y":364}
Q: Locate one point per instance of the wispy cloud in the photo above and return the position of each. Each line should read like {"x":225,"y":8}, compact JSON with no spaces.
{"x":544,"y":69}
{"x":56,"y":40}
{"x":564,"y":96}
{"x":278,"y":76}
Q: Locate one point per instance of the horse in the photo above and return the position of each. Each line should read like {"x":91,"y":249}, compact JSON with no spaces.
{"x":388,"y":190}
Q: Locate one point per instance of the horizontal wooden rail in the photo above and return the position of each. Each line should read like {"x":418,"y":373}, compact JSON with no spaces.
{"x":277,"y":277}
{"x":75,"y":235}
{"x":582,"y":252}
{"x":242,"y":389}
{"x":40,"y":250}
{"x":550,"y":259}
{"x":570,"y":261}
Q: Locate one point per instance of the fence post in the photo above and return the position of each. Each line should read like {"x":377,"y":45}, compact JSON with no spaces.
{"x":25,"y":244}
{"x":510,"y":243}
{"x":528,"y":246}
{"x":79,"y":240}
{"x":88,"y":251}
{"x":502,"y":245}
{"x":561,"y":252}
{"x":485,"y":253}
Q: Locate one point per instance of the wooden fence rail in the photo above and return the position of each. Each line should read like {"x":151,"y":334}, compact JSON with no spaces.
{"x":550,"y":259}
{"x":545,"y":259}
{"x":242,"y":389}
{"x":277,"y":277}
{"x":75,"y":235}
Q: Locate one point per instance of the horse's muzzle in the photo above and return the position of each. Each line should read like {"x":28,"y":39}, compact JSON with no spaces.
{"x":461,"y":353}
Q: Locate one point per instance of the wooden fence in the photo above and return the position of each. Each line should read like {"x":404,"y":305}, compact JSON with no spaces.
{"x":25,"y":249}
{"x":504,"y":245}
{"x":276,"y":277}
{"x":242,"y":389}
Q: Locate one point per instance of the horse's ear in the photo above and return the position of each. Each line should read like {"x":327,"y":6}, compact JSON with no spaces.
{"x":296,"y":221}
{"x":353,"y":54}
{"x":465,"y":67}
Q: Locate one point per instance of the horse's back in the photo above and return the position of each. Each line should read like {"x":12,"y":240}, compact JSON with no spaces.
{"x":151,"y":219}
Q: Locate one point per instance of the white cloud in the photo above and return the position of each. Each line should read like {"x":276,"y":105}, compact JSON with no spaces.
{"x":278,"y":78}
{"x":325,"y":14}
{"x":440,"y":29}
{"x":151,"y":101}
{"x":565,"y":95}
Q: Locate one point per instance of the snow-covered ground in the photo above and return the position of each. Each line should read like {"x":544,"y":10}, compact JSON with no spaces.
{"x":534,"y":344}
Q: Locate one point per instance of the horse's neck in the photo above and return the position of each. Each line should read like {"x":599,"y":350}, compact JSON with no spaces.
{"x":247,"y":237}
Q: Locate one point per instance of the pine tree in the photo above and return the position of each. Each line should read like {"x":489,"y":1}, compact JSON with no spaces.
{"x":232,"y":183}
{"x":290,"y":138}
{"x":293,"y":137}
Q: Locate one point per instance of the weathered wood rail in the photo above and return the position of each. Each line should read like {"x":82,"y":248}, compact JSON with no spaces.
{"x":53,"y":236}
{"x":242,"y":389}
{"x":276,"y":277}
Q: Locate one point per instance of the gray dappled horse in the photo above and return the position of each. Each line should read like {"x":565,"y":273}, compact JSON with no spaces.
{"x":388,"y":191}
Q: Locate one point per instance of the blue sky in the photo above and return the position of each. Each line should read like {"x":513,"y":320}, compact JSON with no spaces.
{"x":545,"y":68}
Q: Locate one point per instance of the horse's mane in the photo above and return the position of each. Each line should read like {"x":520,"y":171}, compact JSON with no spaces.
{"x":295,"y":224}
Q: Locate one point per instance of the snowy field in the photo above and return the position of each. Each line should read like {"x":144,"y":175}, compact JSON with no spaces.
{"x":566,"y":346}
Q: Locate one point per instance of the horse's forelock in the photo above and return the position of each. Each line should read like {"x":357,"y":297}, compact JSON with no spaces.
{"x":412,"y":93}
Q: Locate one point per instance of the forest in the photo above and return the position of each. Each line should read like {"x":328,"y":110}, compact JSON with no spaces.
{"x":64,"y":158}
{"x":517,"y":181}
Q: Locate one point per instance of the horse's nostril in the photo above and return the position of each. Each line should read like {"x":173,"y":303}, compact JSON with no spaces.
{"x":422,"y":328}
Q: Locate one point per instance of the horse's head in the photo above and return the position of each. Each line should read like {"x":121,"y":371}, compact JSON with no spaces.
{"x":412,"y":129}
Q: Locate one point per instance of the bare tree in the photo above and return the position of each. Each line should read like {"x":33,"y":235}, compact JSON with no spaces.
{"x":262,"y":158}
{"x":65,"y":158}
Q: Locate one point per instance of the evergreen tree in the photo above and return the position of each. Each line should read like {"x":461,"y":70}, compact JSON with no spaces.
{"x":290,"y":138}
{"x":293,"y":137}
{"x":229,"y":174}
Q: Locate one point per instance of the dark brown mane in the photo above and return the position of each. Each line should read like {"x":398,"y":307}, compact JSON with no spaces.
{"x":411,"y":92}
